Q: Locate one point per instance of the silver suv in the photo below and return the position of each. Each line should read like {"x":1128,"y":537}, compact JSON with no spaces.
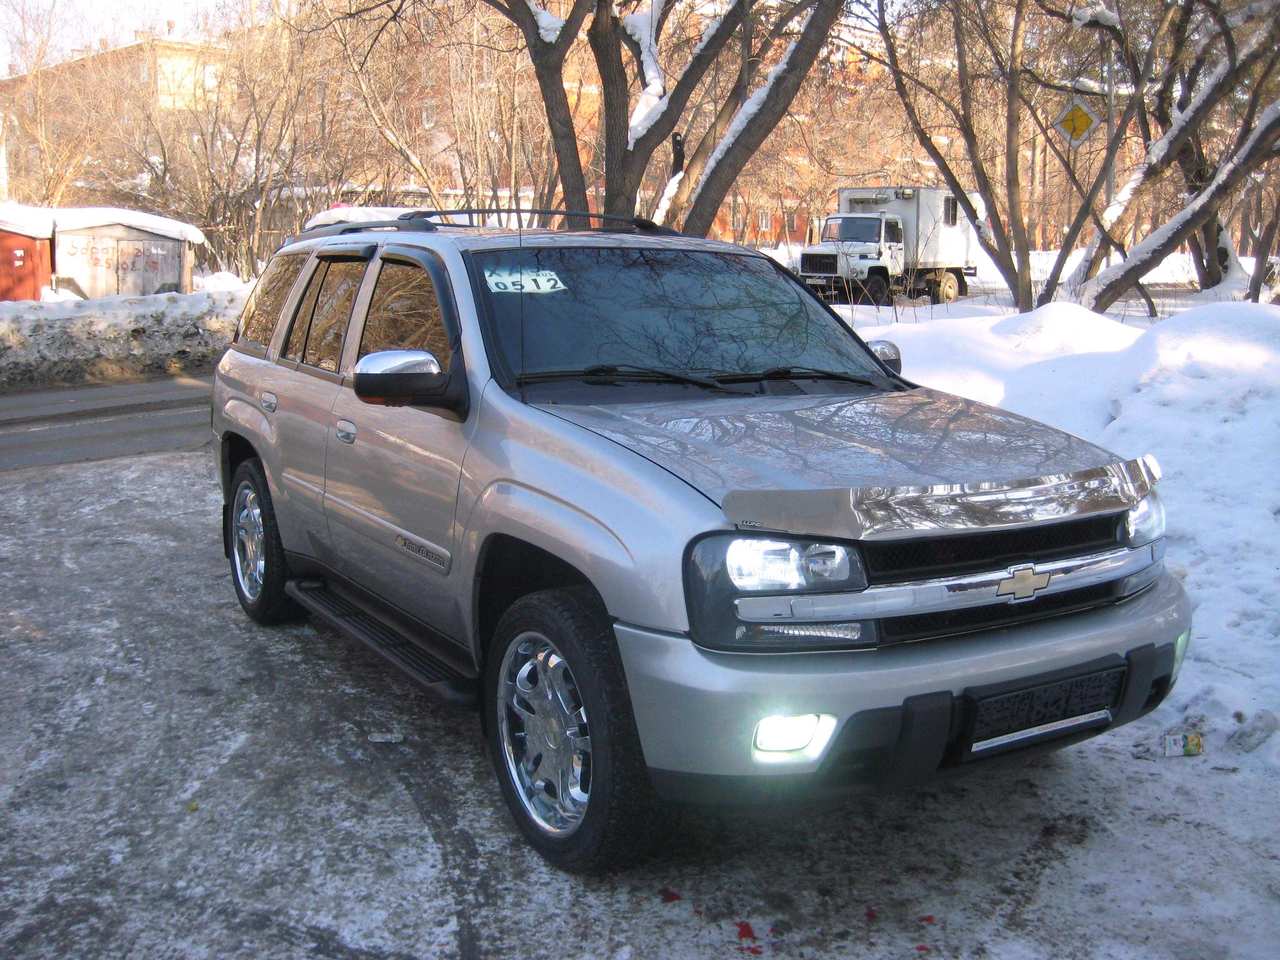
{"x":680,"y":533}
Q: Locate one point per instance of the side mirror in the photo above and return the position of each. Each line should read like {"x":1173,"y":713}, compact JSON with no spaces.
{"x":396,"y":378}
{"x":888,"y":353}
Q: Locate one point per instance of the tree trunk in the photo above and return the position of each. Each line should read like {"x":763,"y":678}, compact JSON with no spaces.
{"x":1262,"y":252}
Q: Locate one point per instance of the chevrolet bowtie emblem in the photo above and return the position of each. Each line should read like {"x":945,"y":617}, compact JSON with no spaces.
{"x":1022,"y":583}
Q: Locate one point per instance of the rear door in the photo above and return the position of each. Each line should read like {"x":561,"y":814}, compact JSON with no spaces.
{"x":391,"y":479}
{"x":305,"y":385}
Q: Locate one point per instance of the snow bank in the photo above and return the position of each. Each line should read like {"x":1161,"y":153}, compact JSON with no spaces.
{"x":69,"y":342}
{"x":1202,"y":392}
{"x":43,"y":221}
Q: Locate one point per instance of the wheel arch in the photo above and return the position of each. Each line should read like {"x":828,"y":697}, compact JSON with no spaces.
{"x":509,"y":567}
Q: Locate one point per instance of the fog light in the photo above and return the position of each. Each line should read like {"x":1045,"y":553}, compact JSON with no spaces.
{"x":789,"y":738}
{"x":1179,"y":654}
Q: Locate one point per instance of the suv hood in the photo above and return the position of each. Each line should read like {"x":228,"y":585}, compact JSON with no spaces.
{"x":779,"y":450}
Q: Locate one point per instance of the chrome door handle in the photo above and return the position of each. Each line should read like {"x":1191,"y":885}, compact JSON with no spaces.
{"x":346,"y":431}
{"x":269,"y":402}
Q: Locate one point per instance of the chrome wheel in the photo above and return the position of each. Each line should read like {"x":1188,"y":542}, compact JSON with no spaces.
{"x":542,"y":727}
{"x":249,"y":545}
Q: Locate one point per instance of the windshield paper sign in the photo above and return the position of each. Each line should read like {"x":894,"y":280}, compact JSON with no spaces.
{"x":508,"y":280}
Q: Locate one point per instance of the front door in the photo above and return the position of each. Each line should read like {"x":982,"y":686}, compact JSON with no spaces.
{"x":894,"y":254}
{"x":391,"y":475}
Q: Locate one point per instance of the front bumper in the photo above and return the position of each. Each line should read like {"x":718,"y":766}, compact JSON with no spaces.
{"x":902,"y":712}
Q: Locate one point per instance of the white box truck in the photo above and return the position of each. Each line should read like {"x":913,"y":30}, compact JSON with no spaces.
{"x":882,"y":240}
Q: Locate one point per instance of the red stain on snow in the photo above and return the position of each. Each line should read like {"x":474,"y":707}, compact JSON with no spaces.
{"x":871,"y":914}
{"x":668,"y":895}
{"x":921,"y":948}
{"x":927,"y":918}
{"x":744,"y":931}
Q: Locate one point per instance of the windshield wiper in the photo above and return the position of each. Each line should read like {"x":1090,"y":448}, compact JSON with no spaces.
{"x":797,"y":373}
{"x":621,"y":371}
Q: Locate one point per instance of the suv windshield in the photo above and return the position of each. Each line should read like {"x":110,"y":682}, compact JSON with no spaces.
{"x":675,"y":310}
{"x":852,"y":229}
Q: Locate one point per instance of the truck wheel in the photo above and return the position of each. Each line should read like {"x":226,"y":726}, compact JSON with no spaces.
{"x":947,"y":289}
{"x":877,"y":288}
{"x":562,"y":737}
{"x":258,"y":567}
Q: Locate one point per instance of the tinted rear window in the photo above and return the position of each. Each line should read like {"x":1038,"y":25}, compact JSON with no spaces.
{"x":332,"y":313}
{"x":265,"y":303}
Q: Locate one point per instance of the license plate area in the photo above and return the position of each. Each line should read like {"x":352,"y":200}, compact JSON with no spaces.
{"x":1010,"y":720}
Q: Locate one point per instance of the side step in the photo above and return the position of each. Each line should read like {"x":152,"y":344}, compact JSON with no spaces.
{"x":344,"y":616}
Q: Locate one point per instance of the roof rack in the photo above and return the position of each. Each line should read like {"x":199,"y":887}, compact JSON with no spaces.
{"x":403,"y":222}
{"x":635,"y":223}
{"x":426,"y":221}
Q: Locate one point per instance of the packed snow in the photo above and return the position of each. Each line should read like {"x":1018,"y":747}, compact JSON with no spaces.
{"x":45,"y":221}
{"x":111,"y":337}
{"x":1202,"y":392}
{"x":549,"y":25}
{"x":642,"y":27}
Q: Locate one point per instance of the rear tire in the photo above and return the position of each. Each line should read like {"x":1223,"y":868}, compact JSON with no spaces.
{"x":562,"y":737}
{"x":259,"y":570}
{"x":948,"y":288}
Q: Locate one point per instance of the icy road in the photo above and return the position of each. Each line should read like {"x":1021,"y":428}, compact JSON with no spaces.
{"x":178,"y":782}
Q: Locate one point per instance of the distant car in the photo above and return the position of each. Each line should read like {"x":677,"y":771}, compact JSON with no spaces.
{"x":676,"y":528}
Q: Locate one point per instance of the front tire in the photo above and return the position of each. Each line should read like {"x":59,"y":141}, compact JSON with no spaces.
{"x":877,"y":288}
{"x":562,"y":736}
{"x":258,"y":566}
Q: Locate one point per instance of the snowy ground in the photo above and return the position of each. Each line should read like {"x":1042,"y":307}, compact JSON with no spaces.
{"x":179,"y":782}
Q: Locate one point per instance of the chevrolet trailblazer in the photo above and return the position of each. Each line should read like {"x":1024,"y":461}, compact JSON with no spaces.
{"x":677,"y":530}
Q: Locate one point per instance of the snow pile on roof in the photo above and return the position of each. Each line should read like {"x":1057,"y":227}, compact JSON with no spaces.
{"x":356,"y":215}
{"x":1202,"y":392}
{"x":67,"y":342}
{"x":44,"y":221}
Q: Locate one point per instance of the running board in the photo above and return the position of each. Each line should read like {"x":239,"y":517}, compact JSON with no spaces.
{"x":350,"y":620}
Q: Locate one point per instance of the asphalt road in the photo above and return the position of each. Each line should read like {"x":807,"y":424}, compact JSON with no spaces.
{"x":45,"y":427}
{"x":178,"y":782}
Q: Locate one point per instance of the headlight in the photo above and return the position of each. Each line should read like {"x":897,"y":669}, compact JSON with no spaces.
{"x":724,"y":568}
{"x":1144,"y":523}
{"x":783,"y":565}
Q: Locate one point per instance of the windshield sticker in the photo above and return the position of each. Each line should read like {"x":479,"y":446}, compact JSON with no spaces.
{"x":507,"y":280}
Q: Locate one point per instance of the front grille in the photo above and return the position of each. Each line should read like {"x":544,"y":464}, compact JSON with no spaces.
{"x":947,"y":623}
{"x":892,"y":561}
{"x":817,"y":263}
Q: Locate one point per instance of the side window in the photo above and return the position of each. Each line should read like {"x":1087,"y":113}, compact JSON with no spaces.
{"x":950,"y":210}
{"x":332,"y":313}
{"x":404,"y":314}
{"x":265,"y":303}
{"x":302,"y":319}
{"x":892,"y":231}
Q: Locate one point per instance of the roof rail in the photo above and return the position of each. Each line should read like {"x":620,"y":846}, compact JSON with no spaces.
{"x":403,"y":222}
{"x":635,"y":223}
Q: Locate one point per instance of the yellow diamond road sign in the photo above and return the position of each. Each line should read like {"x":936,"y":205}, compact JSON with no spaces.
{"x":1077,"y":121}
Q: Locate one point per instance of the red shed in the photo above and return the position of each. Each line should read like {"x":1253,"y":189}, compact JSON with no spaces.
{"x":26,"y":262}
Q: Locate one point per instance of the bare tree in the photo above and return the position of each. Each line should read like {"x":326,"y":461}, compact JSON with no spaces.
{"x":651,"y":63}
